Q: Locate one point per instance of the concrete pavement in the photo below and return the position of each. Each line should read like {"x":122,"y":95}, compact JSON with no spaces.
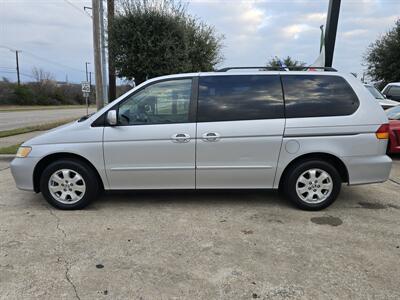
{"x":201,"y":245}
{"x":19,"y":119}
{"x":18,"y":138}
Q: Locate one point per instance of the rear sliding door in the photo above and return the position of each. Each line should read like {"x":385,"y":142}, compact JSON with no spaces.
{"x":239,"y":130}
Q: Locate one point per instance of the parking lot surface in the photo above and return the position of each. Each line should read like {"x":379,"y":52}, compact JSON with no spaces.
{"x":201,"y":245}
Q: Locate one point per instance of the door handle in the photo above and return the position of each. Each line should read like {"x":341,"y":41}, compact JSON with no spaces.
{"x":211,"y":137}
{"x":180,"y":138}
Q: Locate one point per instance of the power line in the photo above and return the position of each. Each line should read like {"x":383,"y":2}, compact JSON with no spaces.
{"x":5,"y":47}
{"x":77,"y":8}
{"x":44,"y":59}
{"x":52,"y":62}
{"x":14,"y":72}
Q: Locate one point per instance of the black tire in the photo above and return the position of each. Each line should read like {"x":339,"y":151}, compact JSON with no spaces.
{"x":86,"y":172}
{"x":293,"y":174}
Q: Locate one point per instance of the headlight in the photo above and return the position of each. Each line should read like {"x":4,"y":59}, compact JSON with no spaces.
{"x":23,"y":151}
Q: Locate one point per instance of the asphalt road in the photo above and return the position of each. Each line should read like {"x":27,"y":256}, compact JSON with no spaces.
{"x":201,"y":245}
{"x":18,"y":119}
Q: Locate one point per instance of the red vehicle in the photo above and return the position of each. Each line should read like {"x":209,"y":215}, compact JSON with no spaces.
{"x":394,"y":129}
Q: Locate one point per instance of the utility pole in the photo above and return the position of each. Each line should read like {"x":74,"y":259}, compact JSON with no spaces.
{"x":90,"y":82}
{"x":330,"y":31}
{"x":86,"y":69}
{"x":97,"y":54}
{"x":16,"y":58}
{"x":112,"y":86}
{"x":103,"y":54}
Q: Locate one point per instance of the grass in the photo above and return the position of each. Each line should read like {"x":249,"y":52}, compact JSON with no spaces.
{"x":10,"y":149}
{"x":13,"y":108}
{"x":40,"y":127}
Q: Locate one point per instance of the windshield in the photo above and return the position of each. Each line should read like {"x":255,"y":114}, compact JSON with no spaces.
{"x":393,"y":113}
{"x":377,"y":94}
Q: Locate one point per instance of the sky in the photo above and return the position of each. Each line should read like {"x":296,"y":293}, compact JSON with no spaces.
{"x":56,"y":35}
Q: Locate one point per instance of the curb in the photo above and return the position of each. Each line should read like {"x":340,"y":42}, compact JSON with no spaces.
{"x":7,"y":157}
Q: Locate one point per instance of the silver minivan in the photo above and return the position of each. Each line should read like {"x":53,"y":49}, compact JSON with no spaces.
{"x":305,"y":133}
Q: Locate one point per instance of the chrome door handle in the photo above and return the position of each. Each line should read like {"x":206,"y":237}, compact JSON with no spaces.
{"x":180,"y":138}
{"x":211,"y":136}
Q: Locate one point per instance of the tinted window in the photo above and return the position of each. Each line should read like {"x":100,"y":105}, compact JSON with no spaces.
{"x":394,"y":91}
{"x":159,"y":103}
{"x":318,"y":96}
{"x":239,"y":97}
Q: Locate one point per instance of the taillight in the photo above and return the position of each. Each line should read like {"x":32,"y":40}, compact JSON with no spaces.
{"x":383,"y":132}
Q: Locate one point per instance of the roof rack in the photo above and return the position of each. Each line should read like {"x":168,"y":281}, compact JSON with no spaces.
{"x":330,"y":69}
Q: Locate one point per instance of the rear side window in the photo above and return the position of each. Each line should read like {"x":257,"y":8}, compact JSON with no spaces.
{"x":394,"y":91}
{"x":318,"y":96}
{"x":240,"y":97}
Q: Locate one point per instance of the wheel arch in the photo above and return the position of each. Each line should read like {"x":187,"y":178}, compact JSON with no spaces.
{"x":335,"y":161}
{"x":45,"y":161}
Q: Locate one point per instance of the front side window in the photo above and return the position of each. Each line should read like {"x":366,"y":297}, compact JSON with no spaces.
{"x":318,"y":96}
{"x":239,"y":97}
{"x":160,"y":103}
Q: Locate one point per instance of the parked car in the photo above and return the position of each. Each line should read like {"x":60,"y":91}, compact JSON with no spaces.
{"x":394,"y":129}
{"x":305,"y":133}
{"x":385,"y":103}
{"x":392,"y":91}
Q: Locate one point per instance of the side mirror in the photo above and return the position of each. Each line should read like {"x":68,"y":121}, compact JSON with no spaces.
{"x":112,"y":117}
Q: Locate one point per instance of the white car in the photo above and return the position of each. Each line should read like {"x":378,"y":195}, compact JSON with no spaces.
{"x":392,"y":91}
{"x":385,"y":103}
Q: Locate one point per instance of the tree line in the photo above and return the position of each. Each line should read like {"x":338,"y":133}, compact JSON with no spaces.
{"x":45,"y":90}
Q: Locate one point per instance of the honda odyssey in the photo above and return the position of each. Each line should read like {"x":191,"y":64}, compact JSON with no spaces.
{"x":305,"y":133}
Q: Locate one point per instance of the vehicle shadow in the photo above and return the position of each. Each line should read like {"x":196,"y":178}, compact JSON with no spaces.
{"x":395,"y":157}
{"x":192,"y":197}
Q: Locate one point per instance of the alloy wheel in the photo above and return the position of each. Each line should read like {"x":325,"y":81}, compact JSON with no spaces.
{"x":67,"y":186}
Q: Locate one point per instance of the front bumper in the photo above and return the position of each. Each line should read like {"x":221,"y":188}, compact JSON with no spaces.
{"x":22,"y":171}
{"x":368,"y":169}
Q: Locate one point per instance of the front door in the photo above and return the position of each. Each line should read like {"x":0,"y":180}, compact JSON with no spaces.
{"x":239,"y":131}
{"x":153,"y":145}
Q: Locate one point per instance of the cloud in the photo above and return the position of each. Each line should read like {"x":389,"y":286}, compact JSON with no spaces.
{"x":355,"y":33}
{"x":254,"y":31}
{"x":315,"y":17}
{"x":294,"y":31}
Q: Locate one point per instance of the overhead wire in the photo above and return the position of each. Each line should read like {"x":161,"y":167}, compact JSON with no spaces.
{"x":52,"y":62}
{"x":78,"y":9}
{"x":15,"y":72}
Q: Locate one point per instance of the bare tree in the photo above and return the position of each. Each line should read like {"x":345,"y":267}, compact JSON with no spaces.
{"x":41,"y":76}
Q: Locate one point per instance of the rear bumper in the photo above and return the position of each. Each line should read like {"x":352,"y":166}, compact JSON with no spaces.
{"x":368,"y":169}
{"x":22,"y":171}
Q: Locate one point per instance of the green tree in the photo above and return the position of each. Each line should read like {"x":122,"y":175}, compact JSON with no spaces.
{"x":288,"y":61}
{"x":157,"y":37}
{"x":383,"y":57}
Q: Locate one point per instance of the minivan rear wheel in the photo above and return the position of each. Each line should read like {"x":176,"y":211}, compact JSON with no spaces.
{"x":312,"y":185}
{"x":69,"y":184}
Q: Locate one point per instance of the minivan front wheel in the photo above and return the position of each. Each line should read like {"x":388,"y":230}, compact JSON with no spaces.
{"x":312,"y":185}
{"x":69,"y":184}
